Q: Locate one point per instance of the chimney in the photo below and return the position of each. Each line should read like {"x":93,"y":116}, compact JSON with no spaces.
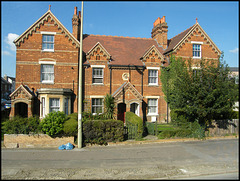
{"x":76,"y":24}
{"x":159,"y":31}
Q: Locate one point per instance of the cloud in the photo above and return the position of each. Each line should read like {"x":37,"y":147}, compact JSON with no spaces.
{"x":9,"y":40}
{"x":7,"y":53}
{"x":234,"y":50}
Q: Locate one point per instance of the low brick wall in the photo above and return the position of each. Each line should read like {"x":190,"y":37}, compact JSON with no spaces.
{"x":34,"y":141}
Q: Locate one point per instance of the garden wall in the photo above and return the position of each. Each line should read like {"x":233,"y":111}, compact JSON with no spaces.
{"x":34,"y":141}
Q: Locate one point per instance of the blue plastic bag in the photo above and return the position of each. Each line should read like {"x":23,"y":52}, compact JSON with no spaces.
{"x":62,"y":147}
{"x":69,"y":146}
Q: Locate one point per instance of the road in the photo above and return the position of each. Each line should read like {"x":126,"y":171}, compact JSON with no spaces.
{"x":174,"y":160}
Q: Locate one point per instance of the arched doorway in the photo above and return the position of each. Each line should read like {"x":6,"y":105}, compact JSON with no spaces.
{"x":21,"y":109}
{"x":121,"y":111}
{"x":134,"y":107}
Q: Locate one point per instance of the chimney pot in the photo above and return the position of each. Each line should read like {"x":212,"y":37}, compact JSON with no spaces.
{"x":75,"y":10}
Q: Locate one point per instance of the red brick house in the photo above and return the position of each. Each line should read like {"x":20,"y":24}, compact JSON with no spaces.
{"x":127,"y":68}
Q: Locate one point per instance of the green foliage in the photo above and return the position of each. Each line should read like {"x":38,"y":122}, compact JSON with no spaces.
{"x":20,"y":125}
{"x":102,"y":131}
{"x":70,"y":127}
{"x":133,"y":119}
{"x":202,"y":94}
{"x":109,"y":107}
{"x":52,"y":124}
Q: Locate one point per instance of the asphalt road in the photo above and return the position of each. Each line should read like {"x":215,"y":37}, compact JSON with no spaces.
{"x":147,"y":161}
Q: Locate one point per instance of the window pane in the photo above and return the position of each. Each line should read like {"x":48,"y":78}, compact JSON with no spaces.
{"x":97,"y":75}
{"x":54,"y":104}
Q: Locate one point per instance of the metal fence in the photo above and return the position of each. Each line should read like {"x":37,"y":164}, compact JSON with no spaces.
{"x":130,"y":130}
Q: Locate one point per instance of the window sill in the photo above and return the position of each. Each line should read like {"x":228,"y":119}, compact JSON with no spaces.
{"x":97,"y":84}
{"x":153,"y":85}
{"x":48,"y":50}
{"x":47,"y":82}
{"x":196,"y":57}
{"x":152,"y":114}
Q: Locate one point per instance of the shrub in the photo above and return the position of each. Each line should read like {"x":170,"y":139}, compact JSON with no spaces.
{"x":167,"y":134}
{"x":150,"y":128}
{"x":70,"y":127}
{"x":183,"y":133}
{"x":102,"y":131}
{"x":198,"y":131}
{"x":133,"y":119}
{"x":52,"y":124}
{"x":20,"y":125}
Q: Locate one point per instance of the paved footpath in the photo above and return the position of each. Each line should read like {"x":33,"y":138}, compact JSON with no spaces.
{"x":172,"y":159}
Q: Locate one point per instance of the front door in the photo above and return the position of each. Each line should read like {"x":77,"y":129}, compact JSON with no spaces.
{"x":121,"y":111}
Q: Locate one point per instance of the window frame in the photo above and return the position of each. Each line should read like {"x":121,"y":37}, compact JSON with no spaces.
{"x":52,"y":34}
{"x":94,"y":107}
{"x":54,"y":107}
{"x":156,"y":77}
{"x":41,"y":71}
{"x":194,"y":43}
{"x":156,"y":106}
{"x":94,"y":77}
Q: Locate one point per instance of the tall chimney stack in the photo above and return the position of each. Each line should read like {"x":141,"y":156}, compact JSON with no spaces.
{"x":159,"y":31}
{"x":76,"y":24}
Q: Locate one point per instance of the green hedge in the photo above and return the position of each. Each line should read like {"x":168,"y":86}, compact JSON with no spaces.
{"x":102,"y":131}
{"x":20,"y":125}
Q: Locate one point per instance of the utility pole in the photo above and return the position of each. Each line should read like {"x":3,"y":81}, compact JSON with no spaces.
{"x":80,"y":85}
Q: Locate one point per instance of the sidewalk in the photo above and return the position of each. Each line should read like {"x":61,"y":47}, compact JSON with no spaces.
{"x":150,"y":139}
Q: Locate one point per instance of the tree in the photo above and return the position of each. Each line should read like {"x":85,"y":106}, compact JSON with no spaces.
{"x":201,"y":94}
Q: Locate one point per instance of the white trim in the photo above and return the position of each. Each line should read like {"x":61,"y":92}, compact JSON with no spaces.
{"x":47,"y":62}
{"x":48,"y":50}
{"x":48,"y":33}
{"x":154,"y":68}
{"x":153,"y":114}
{"x":96,"y":97}
{"x":196,"y":42}
{"x":152,"y":97}
{"x":97,"y":66}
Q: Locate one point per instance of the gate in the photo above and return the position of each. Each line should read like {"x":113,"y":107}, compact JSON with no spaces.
{"x":130,"y":130}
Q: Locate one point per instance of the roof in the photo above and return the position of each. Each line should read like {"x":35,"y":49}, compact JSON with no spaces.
{"x":40,"y":21}
{"x":123,"y":50}
{"x":176,"y":42}
{"x":26,"y":89}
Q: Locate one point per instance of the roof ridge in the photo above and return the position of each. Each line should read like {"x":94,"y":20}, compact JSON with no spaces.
{"x":115,"y":36}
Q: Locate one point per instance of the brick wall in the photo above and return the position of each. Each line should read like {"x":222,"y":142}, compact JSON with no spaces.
{"x":34,"y":141}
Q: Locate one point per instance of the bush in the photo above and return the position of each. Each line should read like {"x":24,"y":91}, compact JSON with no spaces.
{"x":133,"y":119}
{"x":198,"y":131}
{"x":167,"y":134}
{"x":102,"y":131}
{"x":20,"y":125}
{"x":150,"y":128}
{"x":70,"y":127}
{"x":52,"y":124}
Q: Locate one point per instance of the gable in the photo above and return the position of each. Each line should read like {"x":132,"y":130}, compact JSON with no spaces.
{"x":22,"y":92}
{"x":98,"y":51}
{"x":152,"y":55}
{"x":41,"y":21}
{"x":178,"y":41}
{"x":126,"y":92}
